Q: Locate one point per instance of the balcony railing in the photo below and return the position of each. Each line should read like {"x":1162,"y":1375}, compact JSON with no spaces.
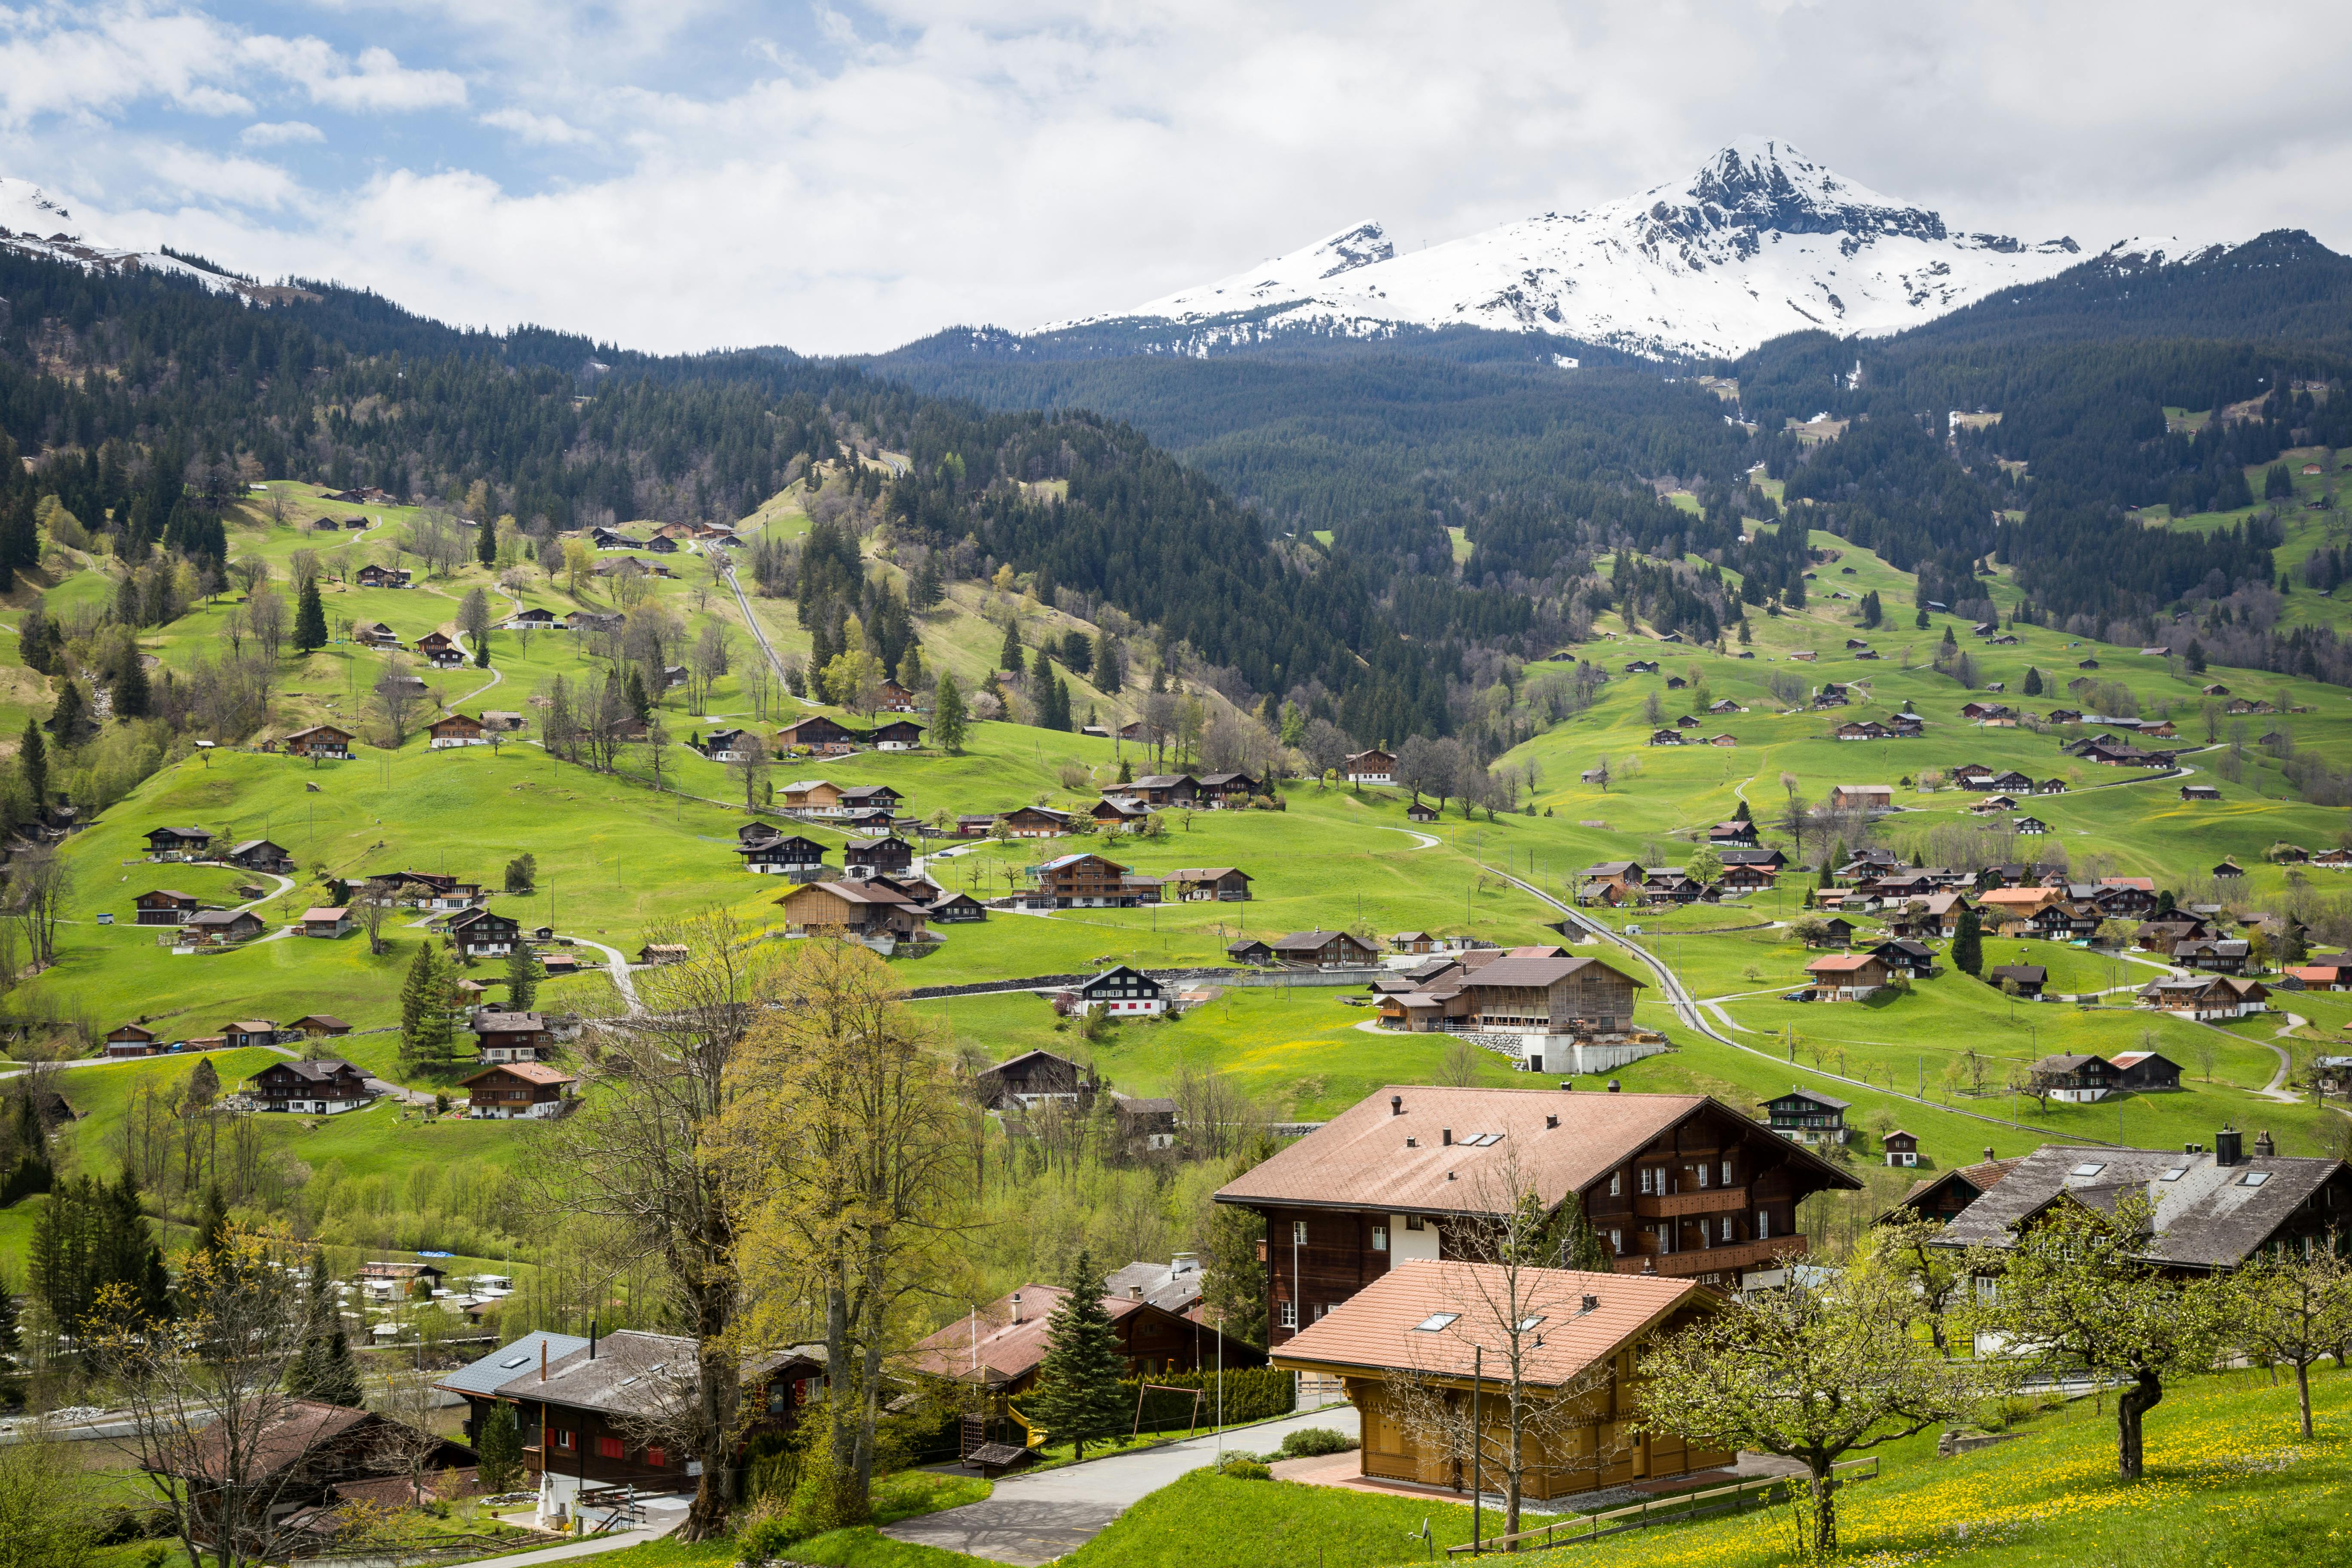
{"x":1705,"y":1200}
{"x":1710,"y":1259}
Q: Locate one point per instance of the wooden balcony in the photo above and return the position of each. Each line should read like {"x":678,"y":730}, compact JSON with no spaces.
{"x":1711,"y":1259}
{"x":1705,"y":1200}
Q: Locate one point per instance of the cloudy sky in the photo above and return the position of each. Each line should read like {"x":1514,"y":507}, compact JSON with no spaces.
{"x":687,"y":174}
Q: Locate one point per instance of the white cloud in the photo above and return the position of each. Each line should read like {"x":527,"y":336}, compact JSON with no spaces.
{"x":905,"y":165}
{"x":540,"y":130}
{"x":280,"y":134}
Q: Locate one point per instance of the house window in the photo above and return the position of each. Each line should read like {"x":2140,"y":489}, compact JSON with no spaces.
{"x":1726,"y":1227}
{"x":608,"y":1448}
{"x":1726,"y":1174}
{"x":1645,"y":1181}
{"x":1380,"y":1238}
{"x":1617,"y":1242}
{"x":1702,"y":1175}
{"x":1763,"y":1224}
{"x":1415,"y":1222}
{"x":563,"y":1439}
{"x":1289,"y":1315}
{"x":1321,"y":1308}
{"x":1616,"y":1184}
{"x":657,"y":1457}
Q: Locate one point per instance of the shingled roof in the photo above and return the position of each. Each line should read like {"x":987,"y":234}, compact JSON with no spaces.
{"x":2208,"y":1216}
{"x":1359,"y":1159}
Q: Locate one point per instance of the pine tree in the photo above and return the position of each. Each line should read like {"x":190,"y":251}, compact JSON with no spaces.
{"x":1008,"y":659}
{"x":1739,"y":812}
{"x":1106,"y":677}
{"x":129,"y":687}
{"x":309,"y":618}
{"x":485,"y":542}
{"x":1076,"y":1399}
{"x":522,"y":978}
{"x":2032,"y":681}
{"x":927,"y":589}
{"x":948,"y":713}
{"x":499,"y":1449}
{"x":1920,"y":620}
{"x":33,"y":763}
{"x":1968,"y":944}
{"x":338,"y":1380}
{"x":1061,"y":719}
{"x":639,"y":703}
{"x":424,"y":1034}
{"x":2196,"y":657}
{"x":212,"y":1224}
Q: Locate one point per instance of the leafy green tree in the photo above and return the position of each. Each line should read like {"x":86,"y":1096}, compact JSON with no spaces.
{"x":2077,"y":1292}
{"x":1968,"y":944}
{"x":309,"y":618}
{"x":948,"y":713}
{"x":2291,"y":1310}
{"x":499,"y":1449}
{"x":1077,"y":1398}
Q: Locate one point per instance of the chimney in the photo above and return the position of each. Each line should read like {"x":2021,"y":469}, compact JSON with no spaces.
{"x":591,"y":1339}
{"x":1551,"y":1121}
{"x":1568,"y":1085}
{"x":543,"y":1359}
{"x":1988,"y":1156}
{"x":2229,"y":1147}
{"x":1396,"y":1105}
{"x":1591,"y":1303}
{"x":2263,"y":1147}
{"x":1016,"y":1306}
{"x":1612,"y":1086}
{"x":1445,"y":1136}
{"x":1135,"y":1292}
{"x":1413,"y":1143}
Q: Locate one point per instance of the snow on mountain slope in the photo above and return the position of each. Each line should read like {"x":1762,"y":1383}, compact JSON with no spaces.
{"x":1760,"y":241}
{"x":31,"y":224}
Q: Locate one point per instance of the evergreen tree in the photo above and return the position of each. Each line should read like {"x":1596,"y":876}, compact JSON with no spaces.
{"x":1061,"y":714}
{"x":424,"y":1033}
{"x":1008,"y":659}
{"x":1106,"y":677}
{"x":12,"y":1346}
{"x":948,"y":713}
{"x":2196,"y":657}
{"x":129,"y":687}
{"x":1968,"y":944}
{"x":2032,"y":681}
{"x":1920,"y":620}
{"x":1739,"y":812}
{"x":335,"y":1375}
{"x":33,"y":763}
{"x":1077,"y":651}
{"x":1077,"y":1399}
{"x":309,"y":618}
{"x":499,"y":1449}
{"x":522,"y":978}
{"x":485,"y":542}
{"x":927,"y":589}
{"x":212,"y":1224}
{"x":639,"y":703}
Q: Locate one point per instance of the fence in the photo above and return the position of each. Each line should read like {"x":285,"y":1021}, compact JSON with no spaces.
{"x":1680,"y":1510}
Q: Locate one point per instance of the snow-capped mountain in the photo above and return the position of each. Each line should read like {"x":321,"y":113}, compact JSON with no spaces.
{"x":31,"y":224}
{"x":1760,"y":241}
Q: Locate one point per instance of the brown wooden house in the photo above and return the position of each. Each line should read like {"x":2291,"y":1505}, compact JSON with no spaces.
{"x":310,"y":1088}
{"x":1033,"y":822}
{"x":1001,"y":1347}
{"x":851,"y":908}
{"x":1222,"y":884}
{"x":1675,"y":1185}
{"x":516,"y":1091}
{"x":166,"y":906}
{"x":321,"y":740}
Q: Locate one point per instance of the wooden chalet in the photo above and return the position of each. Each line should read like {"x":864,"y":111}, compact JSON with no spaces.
{"x":440,"y":649}
{"x":317,"y":1027}
{"x":1216,"y":884}
{"x":1162,"y":790}
{"x":1226,"y":791}
{"x":2207,"y":998}
{"x":868,"y":910}
{"x":2212,"y":1211}
{"x":1420,"y":811}
{"x":178,"y":844}
{"x":816,"y":733}
{"x":374,"y":577}
{"x":1321,"y":948}
{"x":1847,"y":976}
{"x":2024,"y":981}
{"x":310,"y":1089}
{"x":2141,"y":1071}
{"x":886,"y":856}
{"x":1090,"y":881}
{"x":811,"y":797}
{"x":1901,"y":1149}
{"x":1803,"y":1116}
{"x":1579,"y":1348}
{"x":130,"y":1040}
{"x":165,"y":907}
{"x":1120,"y":813}
{"x":1373,"y":767}
{"x":456,"y":730}
{"x":1119,"y":991}
{"x":1862,"y":797}
{"x":773,"y":854}
{"x":1033,"y":822}
{"x":897,"y":735}
{"x":480,"y":933}
{"x":1035,"y":1078}
{"x":2072,"y":1077}
{"x":222,"y":927}
{"x":500,"y":1036}
{"x":246,"y":1032}
{"x":260,"y":855}
{"x":319,"y":740}
{"x":1941,"y":1198}
{"x":1673,"y":1185}
{"x":513,"y":1091}
{"x":955,"y":909}
{"x":1001,"y":1347}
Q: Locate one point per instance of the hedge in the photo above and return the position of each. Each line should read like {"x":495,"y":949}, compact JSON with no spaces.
{"x":1250,"y":1395}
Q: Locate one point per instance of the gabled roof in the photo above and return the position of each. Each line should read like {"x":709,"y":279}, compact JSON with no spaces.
{"x":1536,"y":972}
{"x":1310,"y":941}
{"x":530,"y":1072}
{"x":1375,"y":1327}
{"x":1359,"y":1159}
{"x":508,"y":1360}
{"x":2206,"y":1217}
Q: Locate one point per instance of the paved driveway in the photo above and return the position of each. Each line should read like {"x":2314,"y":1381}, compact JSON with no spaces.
{"x":1031,"y":1520}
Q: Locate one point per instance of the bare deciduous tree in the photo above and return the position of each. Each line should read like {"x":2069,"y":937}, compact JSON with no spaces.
{"x":264,"y":612}
{"x":39,"y":884}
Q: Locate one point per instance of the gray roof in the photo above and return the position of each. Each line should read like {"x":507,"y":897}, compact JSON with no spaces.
{"x":632,"y":1371}
{"x":1171,"y":1287}
{"x":508,"y":1362}
{"x":2207,"y":1218}
{"x":1535,"y":973}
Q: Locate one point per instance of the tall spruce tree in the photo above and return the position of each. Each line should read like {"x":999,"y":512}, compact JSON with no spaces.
{"x":1008,"y":657}
{"x":33,"y":763}
{"x":948,"y":713}
{"x":1107,"y":678}
{"x":1968,"y":944}
{"x":499,"y":1449}
{"x":129,"y":687}
{"x":212,"y":1224}
{"x":522,"y":978}
{"x":1077,"y":1399}
{"x":424,"y":1032}
{"x":485,"y":542}
{"x":309,"y":618}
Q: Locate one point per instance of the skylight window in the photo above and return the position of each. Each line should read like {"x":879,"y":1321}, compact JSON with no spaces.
{"x":515,"y":1361}
{"x":1484,"y":1139}
{"x":2253,"y":1178}
{"x":1434,"y":1321}
{"x":2174,"y":1175}
{"x":2087,"y":1170}
{"x":1528,"y":1324}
